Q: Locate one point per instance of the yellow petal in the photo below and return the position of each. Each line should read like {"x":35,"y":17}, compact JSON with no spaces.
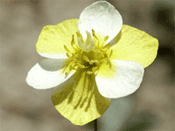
{"x":135,"y":45}
{"x":79,"y":100}
{"x":53,"y":37}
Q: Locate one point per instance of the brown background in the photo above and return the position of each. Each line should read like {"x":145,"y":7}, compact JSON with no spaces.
{"x":26,"y":109}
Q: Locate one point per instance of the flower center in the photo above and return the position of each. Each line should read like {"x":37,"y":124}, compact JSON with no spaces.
{"x":89,"y":55}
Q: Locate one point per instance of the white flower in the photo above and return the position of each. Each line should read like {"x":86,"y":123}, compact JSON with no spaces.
{"x":90,"y":60}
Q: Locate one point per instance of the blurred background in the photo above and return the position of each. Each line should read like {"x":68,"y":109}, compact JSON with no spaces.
{"x":22,"y":108}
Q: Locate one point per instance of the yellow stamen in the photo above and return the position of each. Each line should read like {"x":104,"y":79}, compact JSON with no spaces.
{"x":75,"y":47}
{"x":94,"y":61}
{"x":68,"y":55}
{"x":89,"y":72}
{"x":80,"y":36}
{"x":110,"y":53}
{"x":106,"y":38}
{"x":73,"y":41}
{"x":66,"y":48}
{"x":86,"y":58}
{"x":93,"y":33}
{"x":80,"y":65}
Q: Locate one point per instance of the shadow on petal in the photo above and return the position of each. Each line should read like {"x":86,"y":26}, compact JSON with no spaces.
{"x":115,"y":39}
{"x":79,"y":100}
{"x":51,"y":64}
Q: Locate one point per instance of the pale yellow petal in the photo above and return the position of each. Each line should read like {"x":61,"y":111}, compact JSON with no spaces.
{"x":53,"y":38}
{"x":135,"y":45}
{"x":79,"y":100}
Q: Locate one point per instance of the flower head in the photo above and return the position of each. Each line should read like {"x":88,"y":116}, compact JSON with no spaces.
{"x":91,"y":60}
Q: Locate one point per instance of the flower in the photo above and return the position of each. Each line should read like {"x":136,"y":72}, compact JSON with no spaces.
{"x":91,"y":60}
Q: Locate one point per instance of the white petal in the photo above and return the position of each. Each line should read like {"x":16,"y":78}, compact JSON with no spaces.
{"x":54,"y":56}
{"x":126,"y":80}
{"x":103,"y":18}
{"x":47,"y":74}
{"x":88,"y":45}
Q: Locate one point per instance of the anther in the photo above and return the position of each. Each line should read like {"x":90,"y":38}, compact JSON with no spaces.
{"x":94,"y":61}
{"x":111,"y":53}
{"x":80,"y":65}
{"x":75,"y":47}
{"x":66,"y":48}
{"x":106,"y":38}
{"x":93,"y":33}
{"x":86,"y":58}
{"x":89,"y":72}
{"x":80,"y":36}
{"x":72,"y":42}
{"x":68,"y":55}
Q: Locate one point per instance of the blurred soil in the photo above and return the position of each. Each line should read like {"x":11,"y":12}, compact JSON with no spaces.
{"x":26,"y":109}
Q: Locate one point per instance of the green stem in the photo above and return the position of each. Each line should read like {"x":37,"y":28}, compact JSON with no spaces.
{"x":95,"y":125}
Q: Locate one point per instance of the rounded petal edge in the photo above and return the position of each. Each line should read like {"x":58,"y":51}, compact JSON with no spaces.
{"x":53,"y":38}
{"x":122,"y":82}
{"x":47,"y":74}
{"x":79,"y":100}
{"x":135,"y":45}
{"x":103,"y":18}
